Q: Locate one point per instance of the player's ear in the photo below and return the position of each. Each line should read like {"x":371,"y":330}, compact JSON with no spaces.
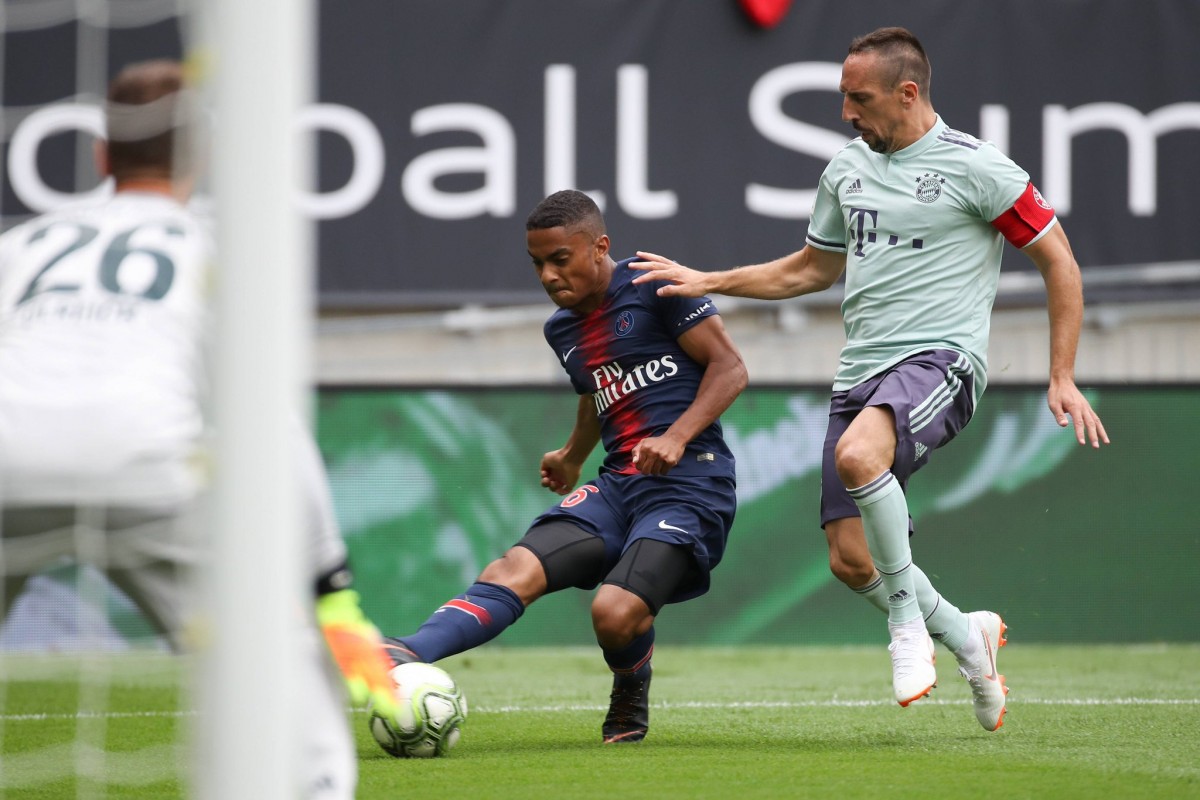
{"x":602,"y":245}
{"x":100,"y":156}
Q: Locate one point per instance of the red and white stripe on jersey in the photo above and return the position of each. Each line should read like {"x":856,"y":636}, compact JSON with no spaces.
{"x":1027,"y":218}
{"x":481,"y":614}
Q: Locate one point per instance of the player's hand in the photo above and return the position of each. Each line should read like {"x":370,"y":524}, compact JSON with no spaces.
{"x":657,"y":455}
{"x":1065,"y":399}
{"x":560,"y":473}
{"x":358,"y":650}
{"x":681,"y":281}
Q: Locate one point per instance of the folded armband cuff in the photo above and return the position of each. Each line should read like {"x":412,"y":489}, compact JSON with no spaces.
{"x":335,"y":580}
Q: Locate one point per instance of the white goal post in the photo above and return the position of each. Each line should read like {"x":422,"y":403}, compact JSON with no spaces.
{"x":262,"y":62}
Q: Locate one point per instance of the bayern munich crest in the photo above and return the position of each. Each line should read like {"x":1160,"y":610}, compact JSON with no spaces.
{"x":929,"y":187}
{"x":624,"y":323}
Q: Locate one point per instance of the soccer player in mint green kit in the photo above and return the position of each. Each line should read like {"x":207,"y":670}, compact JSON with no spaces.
{"x":916,"y":214}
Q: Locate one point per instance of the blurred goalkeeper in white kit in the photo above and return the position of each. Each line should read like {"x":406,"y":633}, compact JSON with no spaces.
{"x":103,"y":320}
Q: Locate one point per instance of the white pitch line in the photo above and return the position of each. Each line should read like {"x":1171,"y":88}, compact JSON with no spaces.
{"x":535,"y":709}
{"x":837,"y":703}
{"x":94,"y":715}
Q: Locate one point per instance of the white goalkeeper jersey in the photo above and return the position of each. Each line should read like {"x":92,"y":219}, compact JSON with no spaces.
{"x":102,"y":317}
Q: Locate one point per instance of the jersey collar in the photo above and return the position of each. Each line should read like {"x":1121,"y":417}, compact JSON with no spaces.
{"x":924,"y":143}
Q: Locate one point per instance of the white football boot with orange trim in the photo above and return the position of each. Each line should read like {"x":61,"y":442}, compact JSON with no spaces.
{"x":978,"y":666}
{"x":913,"y":674}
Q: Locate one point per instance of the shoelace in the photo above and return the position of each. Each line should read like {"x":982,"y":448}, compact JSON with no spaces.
{"x":912,"y":654}
{"x":976,"y":682}
{"x":625,"y":700}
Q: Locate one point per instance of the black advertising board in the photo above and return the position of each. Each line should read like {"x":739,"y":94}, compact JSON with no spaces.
{"x":441,"y":123}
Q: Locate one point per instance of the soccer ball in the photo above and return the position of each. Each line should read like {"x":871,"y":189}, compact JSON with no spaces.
{"x":432,"y":709}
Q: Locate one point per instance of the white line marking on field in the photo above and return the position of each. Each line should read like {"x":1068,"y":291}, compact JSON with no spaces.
{"x":838,"y":703}
{"x":539,"y":709}
{"x":95,"y":715}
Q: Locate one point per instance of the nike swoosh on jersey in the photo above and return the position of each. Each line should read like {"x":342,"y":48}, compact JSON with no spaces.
{"x":663,"y":524}
{"x":572,"y":350}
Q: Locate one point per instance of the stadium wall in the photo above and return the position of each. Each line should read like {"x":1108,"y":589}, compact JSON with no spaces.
{"x":1068,"y":543}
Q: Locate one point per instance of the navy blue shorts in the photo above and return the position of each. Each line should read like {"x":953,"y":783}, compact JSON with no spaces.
{"x":930,"y":395}
{"x":693,"y":511}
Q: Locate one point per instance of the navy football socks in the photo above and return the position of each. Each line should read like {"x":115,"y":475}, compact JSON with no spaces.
{"x":634,"y":659}
{"x":478,"y":615}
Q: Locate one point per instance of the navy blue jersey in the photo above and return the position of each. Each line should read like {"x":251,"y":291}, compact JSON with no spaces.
{"x":626,"y":357}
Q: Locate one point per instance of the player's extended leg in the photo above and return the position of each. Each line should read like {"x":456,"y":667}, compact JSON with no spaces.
{"x":552,"y":556}
{"x":623,"y":613}
{"x":850,"y":561}
{"x":974,"y":638}
{"x":863,"y":458}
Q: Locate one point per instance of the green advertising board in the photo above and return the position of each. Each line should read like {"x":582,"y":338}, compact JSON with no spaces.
{"x":1068,"y":543}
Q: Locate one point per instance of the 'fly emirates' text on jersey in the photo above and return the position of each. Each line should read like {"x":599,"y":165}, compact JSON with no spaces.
{"x":626,"y":357}
{"x":102,"y":313}
{"x":923,"y":231}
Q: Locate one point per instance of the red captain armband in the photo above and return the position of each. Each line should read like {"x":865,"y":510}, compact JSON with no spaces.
{"x":1028,"y":217}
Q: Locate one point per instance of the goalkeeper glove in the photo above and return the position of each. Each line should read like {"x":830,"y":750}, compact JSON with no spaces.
{"x":357,"y":648}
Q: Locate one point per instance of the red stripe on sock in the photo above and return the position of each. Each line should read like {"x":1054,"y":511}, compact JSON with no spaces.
{"x":480,"y":613}
{"x":636,"y":666}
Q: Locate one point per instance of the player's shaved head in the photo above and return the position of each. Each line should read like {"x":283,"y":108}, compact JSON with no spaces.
{"x":147,"y":112}
{"x":901,"y":57}
{"x":568,"y":209}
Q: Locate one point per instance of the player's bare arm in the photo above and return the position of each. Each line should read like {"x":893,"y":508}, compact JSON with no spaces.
{"x":1064,"y":298}
{"x":805,"y":271}
{"x":725,"y":376}
{"x":561,"y":468}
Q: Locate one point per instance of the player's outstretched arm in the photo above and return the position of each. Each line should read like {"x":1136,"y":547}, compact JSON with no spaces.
{"x":1064,"y":297}
{"x":802,"y":272}
{"x":358,"y":650}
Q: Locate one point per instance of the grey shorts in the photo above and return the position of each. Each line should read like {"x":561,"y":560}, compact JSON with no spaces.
{"x":150,"y":554}
{"x":930,"y":395}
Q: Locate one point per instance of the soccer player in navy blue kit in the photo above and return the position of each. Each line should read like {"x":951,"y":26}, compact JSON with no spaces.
{"x":653,"y":375}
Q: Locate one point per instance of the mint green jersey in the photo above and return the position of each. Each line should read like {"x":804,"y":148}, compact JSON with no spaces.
{"x":922,"y":255}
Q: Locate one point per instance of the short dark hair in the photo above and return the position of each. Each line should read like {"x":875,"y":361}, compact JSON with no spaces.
{"x":149,"y":118}
{"x":901,"y":52}
{"x":567,"y":209}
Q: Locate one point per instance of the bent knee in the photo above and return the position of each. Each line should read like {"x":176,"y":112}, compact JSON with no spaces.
{"x":858,"y":462}
{"x":618,"y":617}
{"x":519,"y":570}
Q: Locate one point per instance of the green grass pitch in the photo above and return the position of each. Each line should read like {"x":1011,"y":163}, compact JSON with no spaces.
{"x":1083,"y":722}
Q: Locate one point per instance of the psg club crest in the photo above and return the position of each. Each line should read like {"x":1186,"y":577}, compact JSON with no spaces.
{"x":624,"y":323}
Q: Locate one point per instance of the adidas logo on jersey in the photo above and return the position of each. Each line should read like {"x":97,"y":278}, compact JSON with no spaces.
{"x":920,"y":451}
{"x":855,"y":188}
